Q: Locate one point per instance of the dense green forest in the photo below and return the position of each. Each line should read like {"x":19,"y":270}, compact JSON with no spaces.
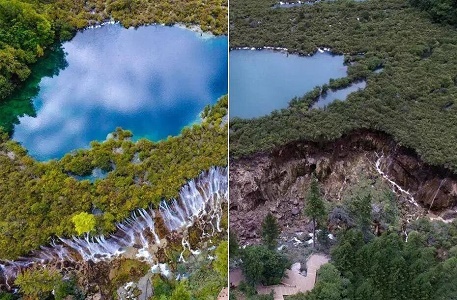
{"x":443,"y":11}
{"x":390,"y":267}
{"x":28,"y":28}
{"x":260,"y":264}
{"x":413,"y":98}
{"x":39,"y":199}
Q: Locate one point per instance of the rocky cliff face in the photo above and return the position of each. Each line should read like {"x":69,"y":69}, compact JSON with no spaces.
{"x":278,"y":181}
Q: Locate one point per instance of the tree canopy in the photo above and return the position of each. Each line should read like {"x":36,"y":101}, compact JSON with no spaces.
{"x":50,"y":195}
{"x":28,"y":28}
{"x":412,"y":99}
{"x":314,"y":205}
{"x":38,"y":284}
{"x":84,"y":222}
{"x":221,"y":262}
{"x":270,"y":231}
{"x":262,"y":265}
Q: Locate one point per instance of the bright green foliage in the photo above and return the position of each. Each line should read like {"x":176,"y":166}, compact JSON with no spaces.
{"x":181,"y":292}
{"x":38,"y":284}
{"x":211,"y":15}
{"x":50,"y":197}
{"x":84,"y":222}
{"x":343,"y":255}
{"x":127,"y":270}
{"x":314,"y":206}
{"x":220,"y":264}
{"x":329,"y":285}
{"x":270,"y":231}
{"x":443,"y":278}
{"x":23,"y":34}
{"x":28,"y":28}
{"x":206,"y":283}
{"x":208,"y":280}
{"x":262,"y":265}
{"x":162,"y":288}
{"x":5,"y":296}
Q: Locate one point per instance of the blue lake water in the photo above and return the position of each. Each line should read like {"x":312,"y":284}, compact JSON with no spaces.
{"x":341,"y":94}
{"x":97,"y":173}
{"x":262,"y":81}
{"x":153,"y":80}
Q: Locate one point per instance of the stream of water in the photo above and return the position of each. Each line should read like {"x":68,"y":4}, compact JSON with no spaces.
{"x":200,"y":200}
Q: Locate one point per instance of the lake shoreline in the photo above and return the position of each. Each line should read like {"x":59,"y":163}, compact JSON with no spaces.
{"x":285,"y":78}
{"x":135,"y":84}
{"x":320,"y":49}
{"x":191,"y":26}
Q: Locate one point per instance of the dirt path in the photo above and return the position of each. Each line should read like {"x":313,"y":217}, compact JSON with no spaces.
{"x":295,"y":282}
{"x":223,"y":295}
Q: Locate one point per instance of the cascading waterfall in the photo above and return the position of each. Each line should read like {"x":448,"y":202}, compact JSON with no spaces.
{"x":199,"y":200}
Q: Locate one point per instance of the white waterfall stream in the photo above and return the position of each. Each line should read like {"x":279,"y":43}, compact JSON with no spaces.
{"x":395,"y":186}
{"x":199,"y":200}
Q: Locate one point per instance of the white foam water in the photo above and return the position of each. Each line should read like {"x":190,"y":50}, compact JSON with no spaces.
{"x":199,"y":200}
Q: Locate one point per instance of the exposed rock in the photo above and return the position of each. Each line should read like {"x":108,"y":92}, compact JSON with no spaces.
{"x":118,"y":150}
{"x":450,"y":214}
{"x":11,"y":155}
{"x":97,"y":296}
{"x":278,"y":181}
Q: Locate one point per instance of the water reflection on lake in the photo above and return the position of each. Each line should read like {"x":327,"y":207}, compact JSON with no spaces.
{"x":341,"y":94}
{"x":152,"y":80}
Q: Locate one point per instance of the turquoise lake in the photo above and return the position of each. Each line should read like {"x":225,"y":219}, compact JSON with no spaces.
{"x":266,"y":80}
{"x":153,"y":80}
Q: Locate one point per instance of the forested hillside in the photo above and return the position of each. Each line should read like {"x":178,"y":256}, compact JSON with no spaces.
{"x":28,"y":28}
{"x":442,"y":11}
{"x":412,"y":98}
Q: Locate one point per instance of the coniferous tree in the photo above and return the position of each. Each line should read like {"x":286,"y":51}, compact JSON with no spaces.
{"x":360,"y":208}
{"x":270,"y":231}
{"x":314,"y":206}
{"x":233,"y":245}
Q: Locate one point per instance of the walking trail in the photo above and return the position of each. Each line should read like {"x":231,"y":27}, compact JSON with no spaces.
{"x":291,"y":284}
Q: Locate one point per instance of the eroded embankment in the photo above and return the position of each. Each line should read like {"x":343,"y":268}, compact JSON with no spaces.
{"x":277,"y":182}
